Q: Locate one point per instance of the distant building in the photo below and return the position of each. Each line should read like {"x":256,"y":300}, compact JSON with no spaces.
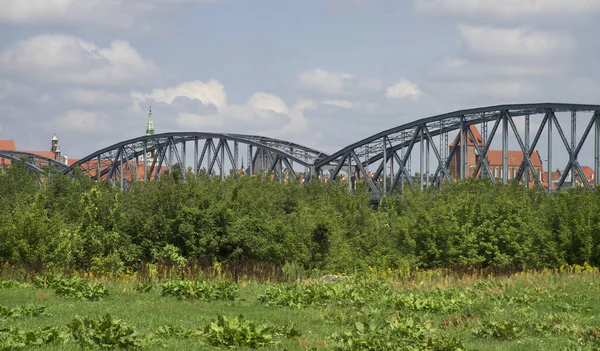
{"x":53,"y":154}
{"x":515,"y":159}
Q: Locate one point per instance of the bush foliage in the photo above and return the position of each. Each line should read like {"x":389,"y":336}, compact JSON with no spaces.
{"x":79,"y":223}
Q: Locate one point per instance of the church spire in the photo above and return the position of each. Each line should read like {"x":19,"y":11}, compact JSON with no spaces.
{"x":150,"y":127}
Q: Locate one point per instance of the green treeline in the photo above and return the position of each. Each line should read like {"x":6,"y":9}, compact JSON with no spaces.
{"x":77,"y":223}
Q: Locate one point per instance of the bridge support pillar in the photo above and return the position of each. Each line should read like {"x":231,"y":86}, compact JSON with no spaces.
{"x":573,"y":143}
{"x":505,"y":147}
{"x":597,"y":150}
{"x":549,"y":176}
{"x":384,"y":166}
{"x":527,"y":125}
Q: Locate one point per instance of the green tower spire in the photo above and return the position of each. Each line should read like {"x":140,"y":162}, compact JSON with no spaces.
{"x":150,"y":127}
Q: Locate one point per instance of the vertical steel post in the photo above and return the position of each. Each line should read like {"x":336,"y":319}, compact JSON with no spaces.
{"x":427,"y":163}
{"x":462,"y":148}
{"x":184,"y":155}
{"x":527,"y":126}
{"x":98,"y":167}
{"x":250,"y":161}
{"x":209,"y":158}
{"x":137,"y":168}
{"x":441,"y":149}
{"x":349,"y":173}
{"x":384,"y":167}
{"x":550,"y":120}
{"x":170,"y":156}
{"x":597,"y":148}
{"x":483,"y":140}
{"x":280,"y":170}
{"x":145,"y":160}
{"x":422,"y":159}
{"x":573,"y":143}
{"x":505,"y":147}
{"x":195,"y":157}
{"x":121,"y":169}
{"x":222,"y":168}
{"x":235,"y":159}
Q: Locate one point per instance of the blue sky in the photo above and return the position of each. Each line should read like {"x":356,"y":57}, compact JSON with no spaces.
{"x":323,"y":73}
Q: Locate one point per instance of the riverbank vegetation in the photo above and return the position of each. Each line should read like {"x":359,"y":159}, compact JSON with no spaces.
{"x":77,"y":224}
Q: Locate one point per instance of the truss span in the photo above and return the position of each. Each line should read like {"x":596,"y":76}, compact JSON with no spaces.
{"x":383,"y":161}
{"x":37,"y":161}
{"x":150,"y":156}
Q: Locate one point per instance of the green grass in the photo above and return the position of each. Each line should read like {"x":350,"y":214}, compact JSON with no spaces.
{"x":528,"y":311}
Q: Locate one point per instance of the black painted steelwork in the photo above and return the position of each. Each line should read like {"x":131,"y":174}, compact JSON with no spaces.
{"x":382,"y":161}
{"x":149,"y":156}
{"x":39,"y":162}
{"x":382,"y":148}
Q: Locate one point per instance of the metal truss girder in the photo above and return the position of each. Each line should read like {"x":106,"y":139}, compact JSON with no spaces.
{"x":201,"y":158}
{"x":486,"y":113}
{"x":526,"y":157}
{"x":441,"y":165}
{"x":538,"y":134}
{"x":15,"y":159}
{"x":364,"y":172}
{"x":447,"y":164}
{"x":215,"y":157}
{"x":290,"y":168}
{"x":484,"y":161}
{"x":230,"y":155}
{"x":402,"y":165}
{"x":485,"y":151}
{"x":34,"y":159}
{"x":572,"y":157}
{"x":338,"y":168}
{"x":275,"y":146}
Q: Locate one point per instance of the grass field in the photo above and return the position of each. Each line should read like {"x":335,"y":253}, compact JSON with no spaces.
{"x":550,"y":310}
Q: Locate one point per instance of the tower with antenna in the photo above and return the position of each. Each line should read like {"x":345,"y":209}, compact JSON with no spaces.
{"x":150,"y":126}
{"x":150,"y":131}
{"x":55,"y":148}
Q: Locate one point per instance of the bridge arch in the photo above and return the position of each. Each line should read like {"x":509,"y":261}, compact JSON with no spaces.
{"x":148,"y":156}
{"x":430,"y":135}
{"x":35,"y":160}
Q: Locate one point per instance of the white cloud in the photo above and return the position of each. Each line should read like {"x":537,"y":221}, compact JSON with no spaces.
{"x":345,"y":104}
{"x":264,"y":104}
{"x":262,"y":112}
{"x":403,"y":89}
{"x":60,"y":58}
{"x":94,"y":97}
{"x":485,"y":92}
{"x":210,"y":94}
{"x":10,"y":89}
{"x":336,"y":83}
{"x":508,"y":9}
{"x":454,"y":68}
{"x":324,"y":81}
{"x":514,"y":43}
{"x":81,"y":121}
{"x":106,"y":13}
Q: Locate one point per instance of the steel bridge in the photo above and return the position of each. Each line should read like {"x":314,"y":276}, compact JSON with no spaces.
{"x":151,"y":156}
{"x":34,"y":163}
{"x":450,"y":145}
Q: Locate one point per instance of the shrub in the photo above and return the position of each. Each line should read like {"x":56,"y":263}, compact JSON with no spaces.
{"x":200,"y":290}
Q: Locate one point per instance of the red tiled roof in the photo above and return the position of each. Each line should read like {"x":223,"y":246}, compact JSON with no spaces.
{"x":48,"y":154}
{"x":588,"y":172}
{"x":476,"y":134}
{"x":7,"y":145}
{"x":514,"y":158}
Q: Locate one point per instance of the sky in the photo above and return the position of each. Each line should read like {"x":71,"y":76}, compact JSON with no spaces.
{"x":322,"y":73}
